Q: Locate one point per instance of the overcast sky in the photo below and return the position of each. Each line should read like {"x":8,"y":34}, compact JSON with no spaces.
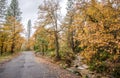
{"x":29,"y":10}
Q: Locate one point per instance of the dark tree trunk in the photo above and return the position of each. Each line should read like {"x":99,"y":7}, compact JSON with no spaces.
{"x":13,"y":39}
{"x":42,"y":48}
{"x":12,"y":47}
{"x":5,"y":49}
{"x":57,"y":46}
{"x":2,"y":48}
{"x":70,"y":41}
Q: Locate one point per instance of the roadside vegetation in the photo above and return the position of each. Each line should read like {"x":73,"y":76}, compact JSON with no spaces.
{"x":90,"y":29}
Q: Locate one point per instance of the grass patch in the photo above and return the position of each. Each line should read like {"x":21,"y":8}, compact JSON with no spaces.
{"x":5,"y":58}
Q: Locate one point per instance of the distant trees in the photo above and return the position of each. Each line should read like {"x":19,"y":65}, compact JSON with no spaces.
{"x":29,"y":29}
{"x":28,"y":34}
{"x":43,"y":40}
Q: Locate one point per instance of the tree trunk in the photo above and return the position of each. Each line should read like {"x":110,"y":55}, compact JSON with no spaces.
{"x":2,"y":49}
{"x":13,"y":40}
{"x":57,"y":46}
{"x":72,"y":42}
{"x":43,"y":48}
{"x":70,"y":39}
{"x":2,"y":46}
{"x":12,"y":47}
{"x":5,"y":48}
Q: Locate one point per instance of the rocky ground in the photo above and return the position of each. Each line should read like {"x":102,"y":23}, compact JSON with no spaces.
{"x":55,"y":67}
{"x":79,"y":68}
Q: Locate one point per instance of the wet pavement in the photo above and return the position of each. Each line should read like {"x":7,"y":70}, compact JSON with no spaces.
{"x":25,"y":66}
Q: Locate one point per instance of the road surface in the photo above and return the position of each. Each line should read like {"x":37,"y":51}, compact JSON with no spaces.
{"x":25,"y":66}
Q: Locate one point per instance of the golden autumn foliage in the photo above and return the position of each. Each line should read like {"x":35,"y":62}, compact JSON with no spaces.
{"x":91,"y":28}
{"x":98,"y":30}
{"x":44,"y":39}
{"x":11,"y":33}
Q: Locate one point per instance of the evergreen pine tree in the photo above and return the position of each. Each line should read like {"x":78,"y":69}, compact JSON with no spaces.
{"x":2,"y":10}
{"x":14,"y":10}
{"x":29,"y":29}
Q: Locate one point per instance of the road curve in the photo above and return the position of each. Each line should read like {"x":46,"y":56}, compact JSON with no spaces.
{"x":25,"y":66}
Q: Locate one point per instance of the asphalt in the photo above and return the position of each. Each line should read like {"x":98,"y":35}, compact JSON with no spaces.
{"x":25,"y":66}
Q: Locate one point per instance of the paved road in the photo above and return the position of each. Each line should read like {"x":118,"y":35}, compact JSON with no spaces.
{"x":25,"y":66}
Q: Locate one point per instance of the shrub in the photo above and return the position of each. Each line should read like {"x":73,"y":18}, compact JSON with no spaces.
{"x":116,"y":71}
{"x":98,"y":61}
{"x":67,"y":56}
{"x":99,"y":67}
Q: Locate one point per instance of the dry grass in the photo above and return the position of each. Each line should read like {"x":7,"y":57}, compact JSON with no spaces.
{"x":6,"y":58}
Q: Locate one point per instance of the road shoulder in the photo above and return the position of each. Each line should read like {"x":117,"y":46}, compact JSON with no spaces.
{"x":62,"y":73}
{"x":7,"y":58}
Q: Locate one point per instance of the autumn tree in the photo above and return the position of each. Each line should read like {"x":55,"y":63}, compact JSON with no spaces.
{"x":99,"y":33}
{"x":50,"y":10}
{"x":8,"y":29}
{"x":41,"y":40}
{"x":14,"y":13}
{"x":69,"y":18}
{"x":68,"y":27}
